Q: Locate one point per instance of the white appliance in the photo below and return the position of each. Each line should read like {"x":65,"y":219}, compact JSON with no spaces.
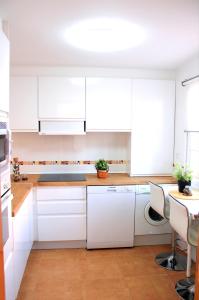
{"x":147,"y":220}
{"x":110,"y":216}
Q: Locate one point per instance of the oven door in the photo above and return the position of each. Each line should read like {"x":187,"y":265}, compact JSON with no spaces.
{"x":6,"y":214}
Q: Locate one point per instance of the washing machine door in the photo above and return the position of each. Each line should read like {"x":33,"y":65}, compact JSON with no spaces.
{"x":152,"y":217}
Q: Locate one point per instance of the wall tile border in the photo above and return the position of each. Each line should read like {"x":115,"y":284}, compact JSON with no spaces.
{"x":68,"y":162}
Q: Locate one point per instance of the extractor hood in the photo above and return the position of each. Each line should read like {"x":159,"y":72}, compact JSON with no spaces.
{"x":62,"y":127}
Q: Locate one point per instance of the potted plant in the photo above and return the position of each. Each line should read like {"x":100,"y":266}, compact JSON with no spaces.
{"x":102,"y":168}
{"x":183,"y":175}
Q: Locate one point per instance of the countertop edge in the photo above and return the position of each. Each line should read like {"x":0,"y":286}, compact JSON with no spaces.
{"x":91,"y":180}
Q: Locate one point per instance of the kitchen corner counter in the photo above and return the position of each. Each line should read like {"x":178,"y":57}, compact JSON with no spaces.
{"x":21,"y":189}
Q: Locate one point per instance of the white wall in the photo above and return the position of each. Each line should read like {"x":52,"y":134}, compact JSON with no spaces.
{"x":187,"y":70}
{"x":92,"y":146}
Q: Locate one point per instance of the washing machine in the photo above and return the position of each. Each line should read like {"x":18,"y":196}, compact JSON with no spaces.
{"x":147,"y":220}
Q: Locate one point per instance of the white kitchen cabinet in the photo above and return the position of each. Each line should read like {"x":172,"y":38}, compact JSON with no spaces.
{"x":4,"y":72}
{"x":152,"y":138}
{"x":9,"y":278}
{"x":61,"y":213}
{"x":108,"y":104}
{"x":61,"y":98}
{"x":23,"y":104}
{"x":61,"y":193}
{"x":23,"y":239}
{"x":61,"y":207}
{"x":62,"y":228}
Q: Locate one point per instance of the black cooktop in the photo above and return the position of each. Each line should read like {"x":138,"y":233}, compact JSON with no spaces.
{"x":61,"y":177}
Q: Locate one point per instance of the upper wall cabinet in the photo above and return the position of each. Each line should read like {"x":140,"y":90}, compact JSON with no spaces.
{"x":61,"y":98}
{"x":4,"y":72}
{"x":152,"y":139}
{"x":23,"y":104}
{"x":108,"y":104}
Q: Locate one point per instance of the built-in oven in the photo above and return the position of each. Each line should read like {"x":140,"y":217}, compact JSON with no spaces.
{"x":6,"y":215}
{"x":4,"y":142}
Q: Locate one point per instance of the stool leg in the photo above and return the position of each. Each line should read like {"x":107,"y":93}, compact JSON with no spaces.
{"x":188,"y":272}
{"x":186,"y":287}
{"x":172,"y":261}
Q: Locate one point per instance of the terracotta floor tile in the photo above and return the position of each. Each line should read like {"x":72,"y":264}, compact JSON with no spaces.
{"x":112,"y":274}
{"x":101,"y":271}
{"x":106,"y":294}
{"x":104,"y":284}
{"x":154,"y":287}
{"x":140,"y":266}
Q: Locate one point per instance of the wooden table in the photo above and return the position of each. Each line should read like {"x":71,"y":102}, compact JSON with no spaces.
{"x":191,"y":202}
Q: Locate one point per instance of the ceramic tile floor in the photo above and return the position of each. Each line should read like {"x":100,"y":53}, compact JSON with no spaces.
{"x":112,"y":274}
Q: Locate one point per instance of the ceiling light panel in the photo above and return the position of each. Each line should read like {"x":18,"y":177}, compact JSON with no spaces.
{"x":105,"y":35}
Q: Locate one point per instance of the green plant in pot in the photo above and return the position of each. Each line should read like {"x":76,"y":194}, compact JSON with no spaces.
{"x":183,"y":174}
{"x":102,"y":168}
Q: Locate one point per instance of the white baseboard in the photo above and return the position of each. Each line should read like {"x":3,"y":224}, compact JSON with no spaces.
{"x":59,"y":245}
{"x":152,"y":239}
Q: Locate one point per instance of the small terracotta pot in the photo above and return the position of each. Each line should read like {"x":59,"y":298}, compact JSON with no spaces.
{"x":102,"y":173}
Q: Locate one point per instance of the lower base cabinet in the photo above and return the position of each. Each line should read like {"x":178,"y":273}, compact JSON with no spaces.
{"x":9,"y":278}
{"x":23,"y":239}
{"x":62,"y":228}
{"x":61,"y":214}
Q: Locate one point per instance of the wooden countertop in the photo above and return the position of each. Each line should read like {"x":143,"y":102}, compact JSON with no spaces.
{"x":113,"y":179}
{"x":20,"y":192}
{"x":21,"y":189}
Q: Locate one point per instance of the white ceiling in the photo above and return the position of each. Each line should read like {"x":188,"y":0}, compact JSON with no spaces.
{"x":37,"y":28}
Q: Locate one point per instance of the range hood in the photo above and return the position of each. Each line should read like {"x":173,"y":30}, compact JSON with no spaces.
{"x":62,"y":127}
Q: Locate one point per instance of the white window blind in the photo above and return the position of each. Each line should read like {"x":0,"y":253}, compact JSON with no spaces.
{"x":192,"y":120}
{"x":192,"y":106}
{"x":193,"y":153}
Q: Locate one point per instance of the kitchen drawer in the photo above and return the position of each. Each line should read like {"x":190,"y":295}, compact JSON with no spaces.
{"x":61,"y":207}
{"x":61,"y":193}
{"x":62,"y":228}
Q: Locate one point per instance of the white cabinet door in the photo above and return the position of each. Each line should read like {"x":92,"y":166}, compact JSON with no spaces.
{"x":62,"y":228}
{"x":9,"y":278}
{"x":61,"y":98}
{"x":23,"y":239}
{"x":4,"y":72}
{"x":23,"y":104}
{"x":61,"y":193}
{"x":30,"y":224}
{"x":108,"y":104}
{"x":61,"y":213}
{"x":152,"y":137}
{"x":61,"y":207}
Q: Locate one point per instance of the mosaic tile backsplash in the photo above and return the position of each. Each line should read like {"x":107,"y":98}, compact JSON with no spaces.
{"x":68,"y":162}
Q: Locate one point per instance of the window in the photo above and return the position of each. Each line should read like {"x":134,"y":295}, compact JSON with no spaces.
{"x":193,"y":153}
{"x":192,"y":116}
